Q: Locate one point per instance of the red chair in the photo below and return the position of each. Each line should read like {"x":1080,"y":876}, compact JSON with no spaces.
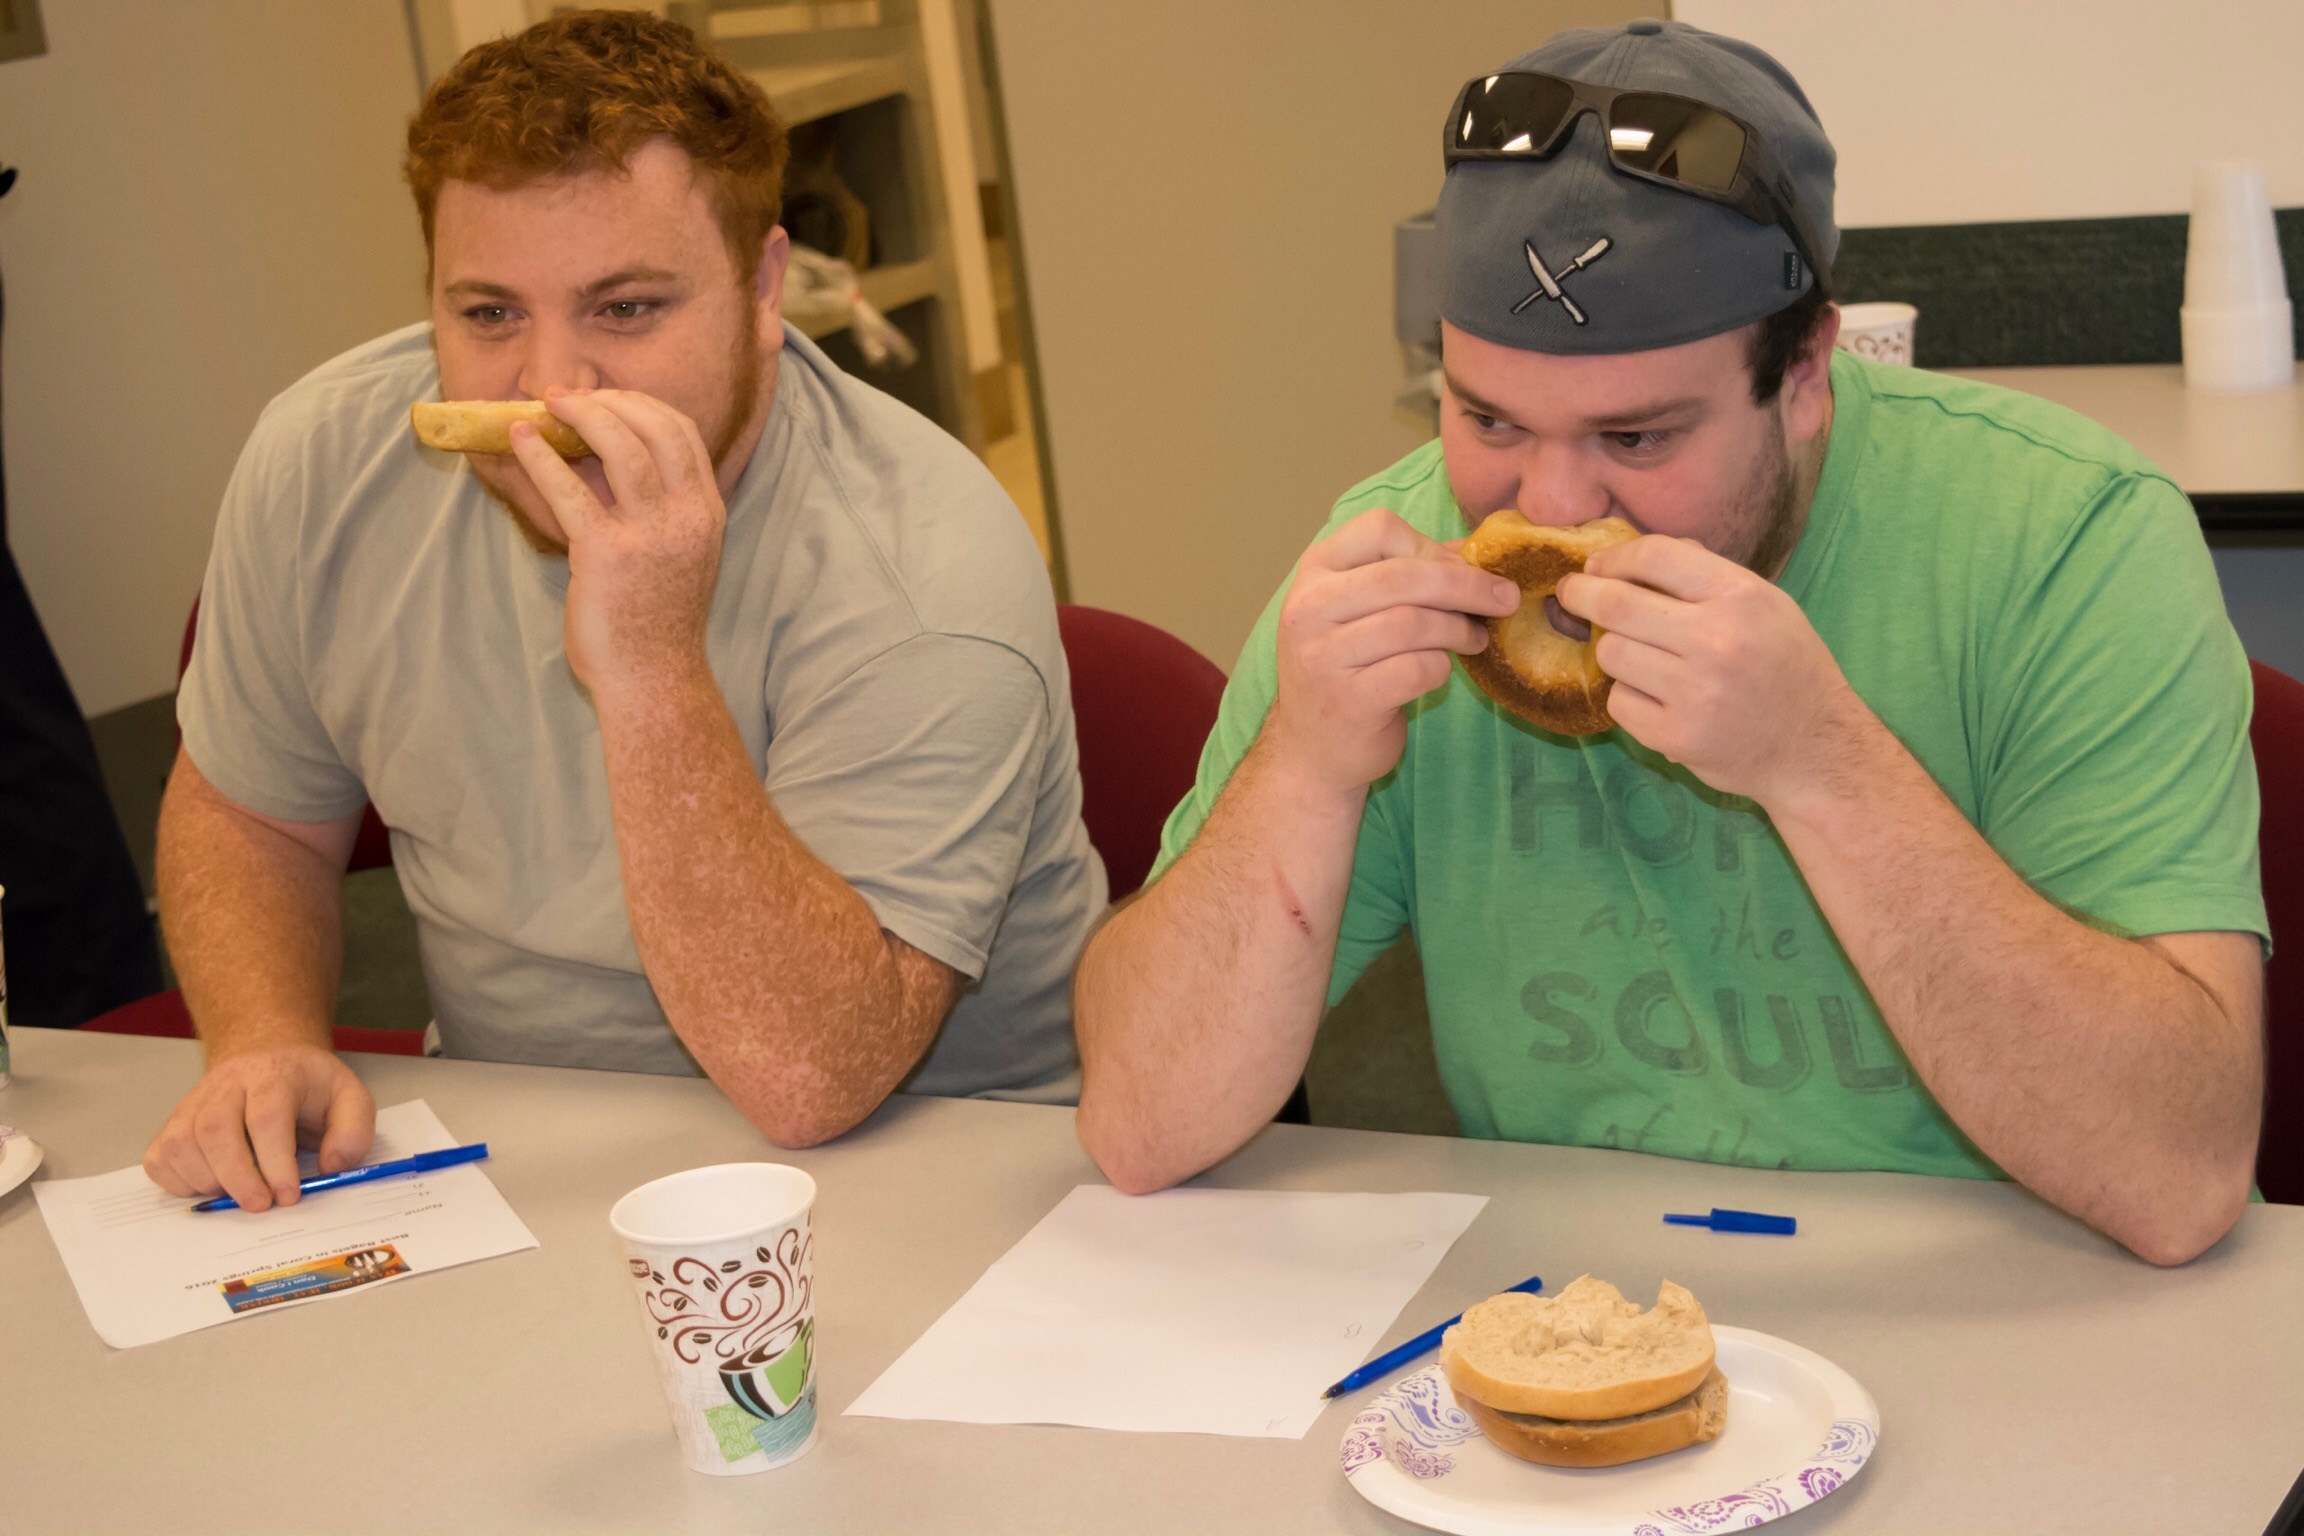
{"x":164,"y":1015}
{"x":2277,"y":734}
{"x":1143,"y":703}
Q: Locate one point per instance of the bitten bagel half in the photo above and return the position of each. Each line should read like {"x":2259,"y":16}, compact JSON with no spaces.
{"x":1531,"y":668}
{"x":1586,"y":1353}
{"x":1692,"y":1420}
{"x":485,"y":426}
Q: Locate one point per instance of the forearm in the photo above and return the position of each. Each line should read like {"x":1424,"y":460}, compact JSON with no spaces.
{"x":2091,"y":1068}
{"x":1196,"y":1005}
{"x":253,"y":920}
{"x":772,"y":970}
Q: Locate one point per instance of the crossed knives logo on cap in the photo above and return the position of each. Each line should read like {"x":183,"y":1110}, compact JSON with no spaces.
{"x":1548,"y":283}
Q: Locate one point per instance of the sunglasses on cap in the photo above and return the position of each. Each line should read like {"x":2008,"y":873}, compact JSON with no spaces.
{"x":1674,"y":141}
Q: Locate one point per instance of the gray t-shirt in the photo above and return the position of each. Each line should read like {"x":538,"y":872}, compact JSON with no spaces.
{"x":374,"y":628}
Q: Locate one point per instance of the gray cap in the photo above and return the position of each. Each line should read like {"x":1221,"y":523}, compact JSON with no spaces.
{"x":1675,"y":268}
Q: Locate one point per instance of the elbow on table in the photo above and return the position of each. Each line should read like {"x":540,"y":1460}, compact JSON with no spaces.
{"x":794,"y":1126}
{"x":1128,"y":1162}
{"x":2180,"y":1234}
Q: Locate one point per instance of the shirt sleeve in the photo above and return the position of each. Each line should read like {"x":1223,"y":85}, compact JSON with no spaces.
{"x":1375,"y":911}
{"x":2118,"y":775}
{"x":245,"y":705}
{"x":916,"y":780}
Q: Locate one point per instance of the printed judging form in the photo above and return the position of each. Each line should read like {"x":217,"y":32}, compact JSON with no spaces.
{"x":149,"y":1267}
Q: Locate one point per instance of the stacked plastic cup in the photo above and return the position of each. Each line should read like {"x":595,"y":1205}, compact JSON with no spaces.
{"x":2239,"y":326}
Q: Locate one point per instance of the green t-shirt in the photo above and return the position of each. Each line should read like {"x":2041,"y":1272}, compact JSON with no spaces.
{"x":1617,"y":955}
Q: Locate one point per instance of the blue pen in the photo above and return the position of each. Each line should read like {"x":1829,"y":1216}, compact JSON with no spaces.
{"x":1393,"y":1359}
{"x":1738,"y":1221}
{"x":422,"y":1162}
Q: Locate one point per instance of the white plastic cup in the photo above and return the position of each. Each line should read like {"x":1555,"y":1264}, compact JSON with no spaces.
{"x":723,"y":1259}
{"x":1882,"y":332}
{"x":2237,"y":321}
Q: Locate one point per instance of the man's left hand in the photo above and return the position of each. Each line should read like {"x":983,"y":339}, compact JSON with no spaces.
{"x":1715,"y":667}
{"x":642,"y":558}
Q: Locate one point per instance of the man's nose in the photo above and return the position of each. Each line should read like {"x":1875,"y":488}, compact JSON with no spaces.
{"x":556,"y":356}
{"x":1558,"y":489}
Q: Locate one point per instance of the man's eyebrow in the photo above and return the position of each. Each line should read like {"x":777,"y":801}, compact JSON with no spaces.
{"x":1620,"y":421}
{"x":627,"y":275}
{"x":1478,"y":405}
{"x":474,"y":288}
{"x":1646,"y":415}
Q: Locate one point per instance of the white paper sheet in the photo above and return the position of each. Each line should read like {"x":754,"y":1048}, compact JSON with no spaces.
{"x":149,"y":1267}
{"x":1210,"y":1311}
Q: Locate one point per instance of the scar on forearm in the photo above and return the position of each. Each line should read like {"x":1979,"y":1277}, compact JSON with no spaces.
{"x":1289,"y":904}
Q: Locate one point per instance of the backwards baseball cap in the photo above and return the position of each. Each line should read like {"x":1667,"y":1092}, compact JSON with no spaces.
{"x":1568,"y":253}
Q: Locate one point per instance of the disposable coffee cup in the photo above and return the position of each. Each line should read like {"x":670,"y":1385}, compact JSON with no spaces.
{"x":723,"y":1259}
{"x":2237,"y":322}
{"x":1882,"y":332}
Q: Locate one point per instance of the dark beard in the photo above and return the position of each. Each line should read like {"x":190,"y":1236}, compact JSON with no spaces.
{"x":1771,"y":512}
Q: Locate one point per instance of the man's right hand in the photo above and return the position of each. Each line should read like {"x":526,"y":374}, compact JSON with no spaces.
{"x":1371,"y":622}
{"x":237,"y":1131}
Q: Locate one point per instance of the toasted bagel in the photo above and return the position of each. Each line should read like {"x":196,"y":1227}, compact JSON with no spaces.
{"x":1530,"y":667}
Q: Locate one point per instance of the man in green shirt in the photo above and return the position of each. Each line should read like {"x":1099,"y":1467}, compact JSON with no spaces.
{"x":1926,"y":839}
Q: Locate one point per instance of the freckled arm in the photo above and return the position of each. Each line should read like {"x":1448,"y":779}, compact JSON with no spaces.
{"x":773,"y":971}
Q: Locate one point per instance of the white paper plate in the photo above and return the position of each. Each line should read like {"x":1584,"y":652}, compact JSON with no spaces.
{"x":1798,"y":1427}
{"x":19,"y":1156}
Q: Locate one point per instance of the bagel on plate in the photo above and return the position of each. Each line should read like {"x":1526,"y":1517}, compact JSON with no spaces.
{"x":1587,"y":1378}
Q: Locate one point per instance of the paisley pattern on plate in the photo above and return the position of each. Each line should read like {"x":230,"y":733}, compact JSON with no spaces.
{"x":1408,"y":1452}
{"x":1414,"y":1424}
{"x":1844,"y":1450}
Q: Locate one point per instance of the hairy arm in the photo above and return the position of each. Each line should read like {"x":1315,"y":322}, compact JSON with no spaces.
{"x":2120,"y":1079}
{"x":1197,"y":1004}
{"x":253,"y":912}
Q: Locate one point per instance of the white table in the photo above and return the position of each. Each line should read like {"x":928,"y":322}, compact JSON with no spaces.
{"x":2239,"y":457}
{"x":2031,"y":1376}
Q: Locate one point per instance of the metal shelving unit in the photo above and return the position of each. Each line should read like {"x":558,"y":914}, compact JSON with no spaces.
{"x":871,"y":79}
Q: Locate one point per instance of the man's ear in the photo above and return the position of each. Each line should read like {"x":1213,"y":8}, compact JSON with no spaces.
{"x":1807,"y":394}
{"x":768,"y":286}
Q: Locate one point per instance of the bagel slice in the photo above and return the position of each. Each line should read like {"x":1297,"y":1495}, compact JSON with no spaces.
{"x":1691,"y":1420}
{"x":485,"y":426}
{"x":1531,"y":668}
{"x":1585,"y":1354}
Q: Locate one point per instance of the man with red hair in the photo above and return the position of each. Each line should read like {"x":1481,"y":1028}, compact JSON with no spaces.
{"x":743,"y":745}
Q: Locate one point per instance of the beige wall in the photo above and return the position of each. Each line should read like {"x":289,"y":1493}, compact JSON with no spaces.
{"x":1206,"y":191}
{"x":1976,"y":111}
{"x":210,"y":206}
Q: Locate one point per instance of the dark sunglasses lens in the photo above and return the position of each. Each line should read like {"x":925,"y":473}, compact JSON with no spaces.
{"x":1676,"y":139}
{"x":1513,"y":114}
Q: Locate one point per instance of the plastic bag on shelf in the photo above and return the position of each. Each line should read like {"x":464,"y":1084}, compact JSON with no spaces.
{"x":818,"y":287}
